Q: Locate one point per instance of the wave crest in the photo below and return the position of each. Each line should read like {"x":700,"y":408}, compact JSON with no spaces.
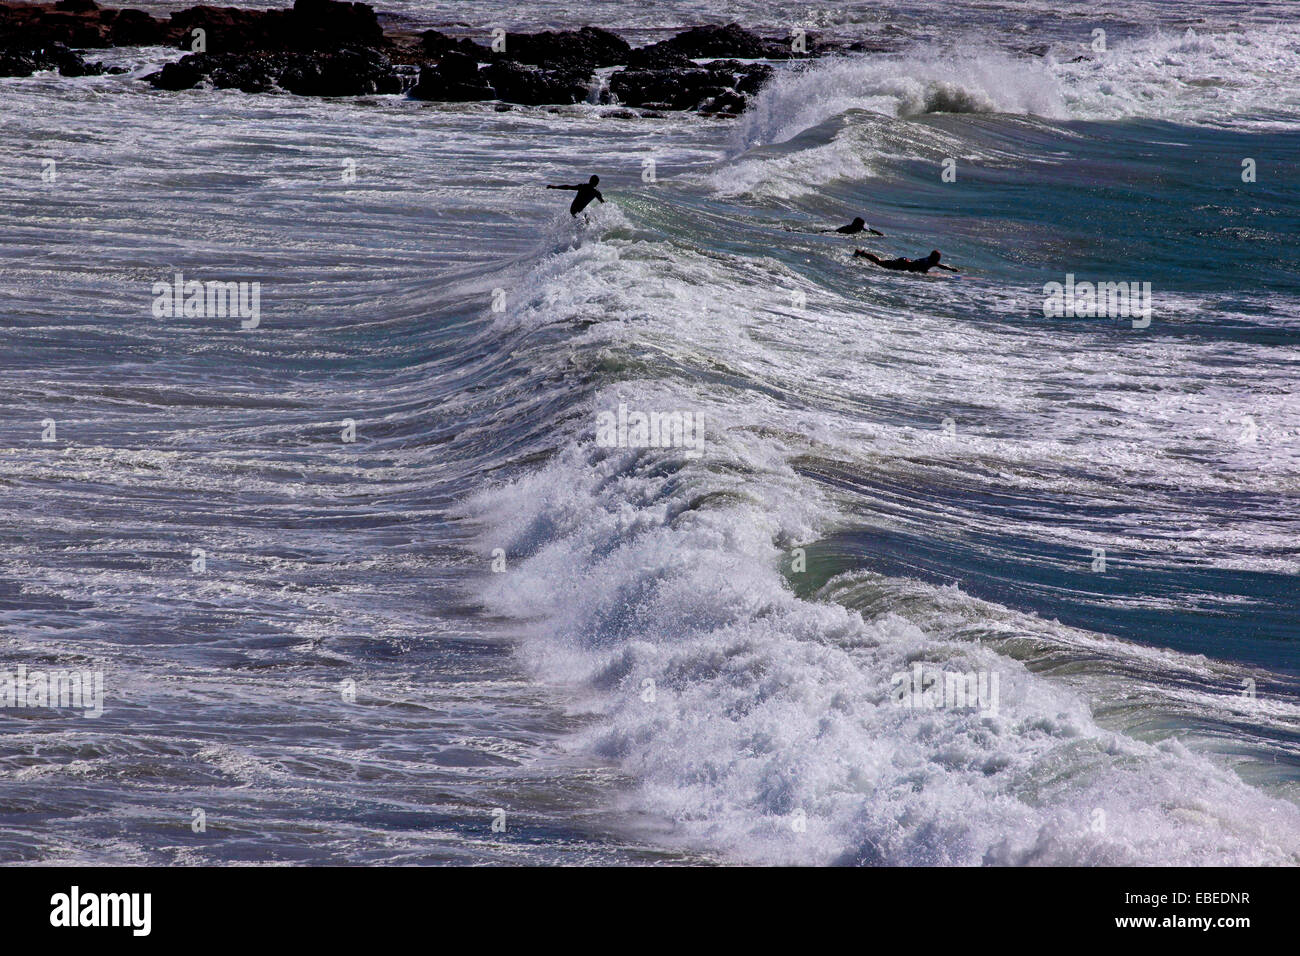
{"x":929,"y":82}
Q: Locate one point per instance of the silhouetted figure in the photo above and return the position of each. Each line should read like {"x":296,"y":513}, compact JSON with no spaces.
{"x":586,"y":193}
{"x":856,"y":226}
{"x":906,"y":265}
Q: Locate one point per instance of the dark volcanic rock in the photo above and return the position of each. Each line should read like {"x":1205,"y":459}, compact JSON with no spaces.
{"x":744,"y":77}
{"x":333,"y":48}
{"x":576,"y":50}
{"x":78,"y":23}
{"x":731,"y":40}
{"x":329,"y":22}
{"x":459,"y":68}
{"x":658,"y":58}
{"x":730,"y":102}
{"x":229,"y":30}
{"x":720,"y":87}
{"x":435,"y":43}
{"x":357,"y":71}
{"x":665,"y":89}
{"x":24,"y":62}
{"x":135,"y":28}
{"x":532,"y":86}
{"x":182,"y":75}
{"x":252,"y":74}
{"x":40,"y":27}
{"x":310,"y":25}
{"x":456,"y":79}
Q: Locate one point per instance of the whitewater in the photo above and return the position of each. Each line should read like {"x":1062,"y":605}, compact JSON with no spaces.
{"x":667,"y":654}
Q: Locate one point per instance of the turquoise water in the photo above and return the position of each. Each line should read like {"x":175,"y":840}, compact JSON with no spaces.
{"x":1140,"y":201}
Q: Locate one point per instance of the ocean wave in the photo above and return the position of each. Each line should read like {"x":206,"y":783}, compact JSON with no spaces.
{"x":862,"y":105}
{"x":658,"y":588}
{"x":926,"y":81}
{"x":763,"y":724}
{"x":1192,"y":77}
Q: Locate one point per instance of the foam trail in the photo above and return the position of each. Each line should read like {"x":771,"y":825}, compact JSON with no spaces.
{"x":747,"y":713}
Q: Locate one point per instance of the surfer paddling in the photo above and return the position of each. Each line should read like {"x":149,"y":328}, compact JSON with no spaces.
{"x":906,"y":265}
{"x":856,"y":226}
{"x":586,"y":193}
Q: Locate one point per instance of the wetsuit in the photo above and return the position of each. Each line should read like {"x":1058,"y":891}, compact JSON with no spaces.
{"x":901,"y":264}
{"x":856,"y":226}
{"x":586,"y":193}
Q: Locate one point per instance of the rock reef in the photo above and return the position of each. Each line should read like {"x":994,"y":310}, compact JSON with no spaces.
{"x":332,"y":48}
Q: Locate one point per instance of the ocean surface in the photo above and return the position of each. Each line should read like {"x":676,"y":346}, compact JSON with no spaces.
{"x":476,"y":613}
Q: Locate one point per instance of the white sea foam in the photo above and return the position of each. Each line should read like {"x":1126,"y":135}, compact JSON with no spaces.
{"x":926,"y":81}
{"x":1230,"y":78}
{"x":652,"y":586}
{"x":764,"y":709}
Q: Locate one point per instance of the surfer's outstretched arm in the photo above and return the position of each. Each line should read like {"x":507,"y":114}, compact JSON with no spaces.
{"x":598,"y":195}
{"x":564,"y":187}
{"x":866,"y":255}
{"x":875,"y":232}
{"x":940,"y":265}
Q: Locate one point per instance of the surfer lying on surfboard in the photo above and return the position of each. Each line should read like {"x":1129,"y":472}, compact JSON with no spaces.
{"x":906,"y":265}
{"x":586,"y":193}
{"x":856,"y":226}
{"x":852,"y":229}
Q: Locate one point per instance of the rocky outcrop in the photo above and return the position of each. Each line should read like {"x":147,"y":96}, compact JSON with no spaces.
{"x":83,"y":24}
{"x":658,"y":57}
{"x":359,"y":71}
{"x":323,"y":25}
{"x":458,"y":78}
{"x":731,"y":40}
{"x":455,"y":79}
{"x":572,"y":50}
{"x":559,"y":69}
{"x":316,"y":48}
{"x":436,"y":43}
{"x":24,"y":62}
{"x":78,"y":23}
{"x":532,"y":86}
{"x":334,"y":48}
{"x":721,"y":87}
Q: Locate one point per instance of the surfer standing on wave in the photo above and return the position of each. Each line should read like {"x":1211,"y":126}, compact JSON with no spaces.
{"x":586,"y":193}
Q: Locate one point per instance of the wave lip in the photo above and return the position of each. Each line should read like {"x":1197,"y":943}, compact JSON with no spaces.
{"x":1189,"y":77}
{"x":925,"y":81}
